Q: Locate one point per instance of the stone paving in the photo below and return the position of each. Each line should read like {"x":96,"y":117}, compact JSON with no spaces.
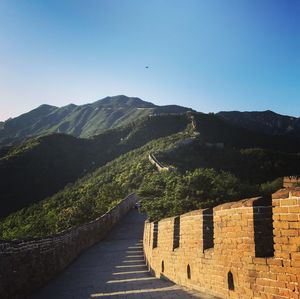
{"x":114,"y":268}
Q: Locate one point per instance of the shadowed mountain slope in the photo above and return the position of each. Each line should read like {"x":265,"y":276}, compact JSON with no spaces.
{"x":169,"y":193}
{"x":267,"y":122}
{"x":213,"y":128}
{"x":44,"y":165}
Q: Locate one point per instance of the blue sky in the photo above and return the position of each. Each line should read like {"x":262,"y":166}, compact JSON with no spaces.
{"x":209,"y":55}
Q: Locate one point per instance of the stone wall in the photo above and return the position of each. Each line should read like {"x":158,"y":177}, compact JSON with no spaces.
{"x":291,"y":181}
{"x":245,"y":249}
{"x":157,"y":164}
{"x":28,"y":264}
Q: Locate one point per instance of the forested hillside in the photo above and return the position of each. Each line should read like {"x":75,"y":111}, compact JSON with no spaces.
{"x":267,"y":122}
{"x":253,"y":157}
{"x":42,"y":166}
{"x":253,"y":165}
{"x":88,"y":198}
{"x":93,"y":195}
{"x":213,"y":129}
{"x":206,"y":174}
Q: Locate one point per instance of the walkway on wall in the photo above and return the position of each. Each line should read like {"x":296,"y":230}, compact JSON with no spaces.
{"x":114,"y":268}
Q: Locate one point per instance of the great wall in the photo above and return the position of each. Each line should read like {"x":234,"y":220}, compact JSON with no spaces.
{"x":245,"y":249}
{"x":28,"y":264}
{"x":159,"y":166}
{"x":291,"y":181}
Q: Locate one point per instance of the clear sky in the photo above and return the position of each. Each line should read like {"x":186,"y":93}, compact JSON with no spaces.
{"x":210,"y":55}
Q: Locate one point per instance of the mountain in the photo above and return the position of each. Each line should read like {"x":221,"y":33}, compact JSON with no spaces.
{"x":91,"y":119}
{"x":89,"y":197}
{"x":43,"y":165}
{"x":214,"y":129}
{"x":80,"y":121}
{"x":115,"y":163}
{"x":252,"y":156}
{"x":267,"y":122}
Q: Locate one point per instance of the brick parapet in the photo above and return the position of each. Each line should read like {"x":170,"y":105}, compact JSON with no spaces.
{"x":255,"y":244}
{"x":291,"y":181}
{"x":27,"y":264}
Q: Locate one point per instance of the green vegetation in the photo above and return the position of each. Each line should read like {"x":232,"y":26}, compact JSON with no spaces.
{"x":213,"y":129}
{"x":169,"y":193}
{"x":42,"y":166}
{"x":252,"y":165}
{"x":86,"y":199}
{"x":206,"y":174}
{"x":267,"y":122}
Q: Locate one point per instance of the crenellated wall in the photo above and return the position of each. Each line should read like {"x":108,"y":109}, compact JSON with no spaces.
{"x":26,"y":265}
{"x":245,"y":249}
{"x":291,"y":181}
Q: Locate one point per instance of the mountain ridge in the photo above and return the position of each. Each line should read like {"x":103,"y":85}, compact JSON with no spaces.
{"x":268,"y":122}
{"x":127,"y":169}
{"x":114,"y":111}
{"x":80,"y":120}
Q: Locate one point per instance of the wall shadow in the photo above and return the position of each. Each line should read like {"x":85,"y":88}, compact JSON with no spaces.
{"x":263,"y":228}
{"x":208,"y":229}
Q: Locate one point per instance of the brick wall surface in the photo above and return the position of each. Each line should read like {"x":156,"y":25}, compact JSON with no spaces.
{"x":28,"y":264}
{"x":291,"y":181}
{"x":244,"y":249}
